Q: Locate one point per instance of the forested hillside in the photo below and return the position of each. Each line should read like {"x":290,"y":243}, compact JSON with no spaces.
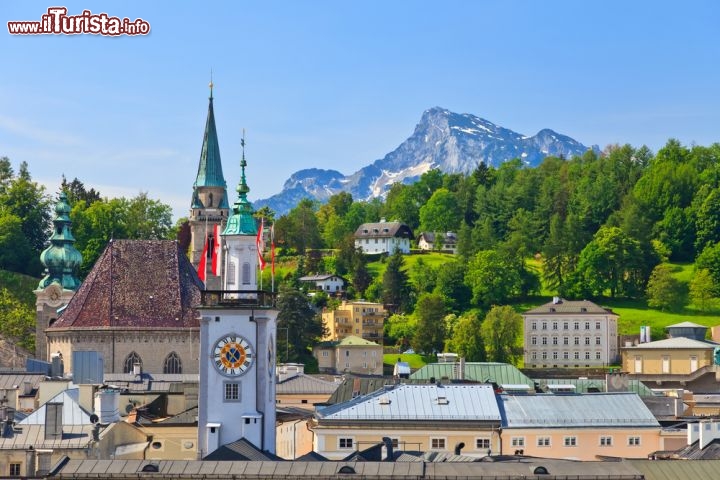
{"x":599,"y":226}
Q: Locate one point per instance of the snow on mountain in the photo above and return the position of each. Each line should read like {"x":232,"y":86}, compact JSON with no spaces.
{"x":451,"y":142}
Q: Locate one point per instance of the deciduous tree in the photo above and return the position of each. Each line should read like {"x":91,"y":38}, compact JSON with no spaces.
{"x":501,"y":333}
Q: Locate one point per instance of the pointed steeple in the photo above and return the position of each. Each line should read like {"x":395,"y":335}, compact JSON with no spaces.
{"x":210,"y":172}
{"x":61,"y":259}
{"x":241,"y":221}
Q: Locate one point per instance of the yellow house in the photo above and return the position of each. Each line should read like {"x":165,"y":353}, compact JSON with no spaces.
{"x":578,"y":427}
{"x":358,"y":318}
{"x":350,"y":355}
{"x":672,"y":356}
{"x":414,"y":417}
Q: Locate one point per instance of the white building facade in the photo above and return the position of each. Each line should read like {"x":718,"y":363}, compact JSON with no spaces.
{"x":569,"y":334}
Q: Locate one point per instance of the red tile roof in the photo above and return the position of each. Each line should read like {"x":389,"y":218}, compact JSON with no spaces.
{"x":143,"y":284}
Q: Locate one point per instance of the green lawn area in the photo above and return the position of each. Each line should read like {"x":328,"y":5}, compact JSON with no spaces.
{"x":415,"y":360}
{"x":433,"y":259}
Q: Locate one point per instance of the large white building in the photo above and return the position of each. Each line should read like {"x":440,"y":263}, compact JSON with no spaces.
{"x":565,"y":333}
{"x":383,"y":237}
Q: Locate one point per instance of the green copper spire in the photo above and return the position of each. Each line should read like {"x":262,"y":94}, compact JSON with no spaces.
{"x":241,"y":221}
{"x":210,"y":172}
{"x":61,"y":258}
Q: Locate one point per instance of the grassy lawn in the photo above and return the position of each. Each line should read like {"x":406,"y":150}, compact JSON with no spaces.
{"x":415,"y":360}
{"x":433,"y":259}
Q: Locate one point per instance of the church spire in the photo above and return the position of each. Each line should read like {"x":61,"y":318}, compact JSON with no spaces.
{"x":61,"y":259}
{"x":210,"y":172}
{"x":241,"y":221}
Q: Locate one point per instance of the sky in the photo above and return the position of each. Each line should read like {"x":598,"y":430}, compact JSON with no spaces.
{"x":339,"y":84}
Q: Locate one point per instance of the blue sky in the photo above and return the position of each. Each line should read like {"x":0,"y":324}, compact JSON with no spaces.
{"x":338,"y":84}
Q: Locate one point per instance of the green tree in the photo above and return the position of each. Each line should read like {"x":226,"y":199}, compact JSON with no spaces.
{"x":423,"y":277}
{"x":304,"y":326}
{"x":703,"y":290}
{"x":395,"y":286}
{"x":556,"y":262}
{"x":501,"y":333}
{"x":76,"y":192}
{"x":441,"y":213}
{"x":708,"y":220}
{"x":18,"y":320}
{"x":665,"y":291}
{"x":429,"y":327}
{"x":492,"y":277}
{"x":361,"y":278}
{"x":16,"y":253}
{"x":466,"y":340}
{"x":399,"y":330}
{"x":610,"y":262}
{"x":709,"y":259}
{"x":28,"y":201}
{"x":451,"y":286}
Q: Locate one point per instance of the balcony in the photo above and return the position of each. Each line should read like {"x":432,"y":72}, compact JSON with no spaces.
{"x":237,"y":299}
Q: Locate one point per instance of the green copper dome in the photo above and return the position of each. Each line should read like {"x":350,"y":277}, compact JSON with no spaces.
{"x":61,"y":259}
{"x":241,"y":221}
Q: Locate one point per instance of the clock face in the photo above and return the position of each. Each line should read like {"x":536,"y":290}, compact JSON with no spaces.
{"x":233,"y":355}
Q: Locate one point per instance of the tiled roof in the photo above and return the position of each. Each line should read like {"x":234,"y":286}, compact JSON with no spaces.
{"x":569,"y":307}
{"x":302,"y":383}
{"x":353,"y":385}
{"x":673,"y":343}
{"x":500,"y":373}
{"x":317,"y":278}
{"x":136,"y":284}
{"x":241,"y":450}
{"x":588,"y":410}
{"x":468,"y":402}
{"x":12,"y":380}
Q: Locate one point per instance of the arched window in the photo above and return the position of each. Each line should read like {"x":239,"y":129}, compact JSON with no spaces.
{"x":130,"y":362}
{"x":246,"y":273}
{"x":173,"y":364}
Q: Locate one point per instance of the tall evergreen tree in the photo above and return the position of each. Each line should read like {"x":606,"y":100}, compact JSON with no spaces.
{"x":395,"y":285}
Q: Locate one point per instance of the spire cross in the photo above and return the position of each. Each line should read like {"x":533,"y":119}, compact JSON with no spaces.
{"x":211,"y":84}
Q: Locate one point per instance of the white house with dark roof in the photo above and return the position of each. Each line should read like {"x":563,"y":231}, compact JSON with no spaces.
{"x":326,"y":282}
{"x":383,"y":237}
{"x":570,"y":333}
{"x":446,"y":242}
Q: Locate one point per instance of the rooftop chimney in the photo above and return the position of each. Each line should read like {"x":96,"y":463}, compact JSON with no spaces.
{"x":459,"y":447}
{"x":389,"y":448}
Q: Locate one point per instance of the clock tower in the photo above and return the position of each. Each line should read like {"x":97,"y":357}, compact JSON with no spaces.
{"x":237,"y":343}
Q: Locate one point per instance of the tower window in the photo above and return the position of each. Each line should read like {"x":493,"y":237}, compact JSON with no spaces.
{"x":130,"y":361}
{"x":246,"y":273}
{"x":231,"y":391}
{"x":173,"y":364}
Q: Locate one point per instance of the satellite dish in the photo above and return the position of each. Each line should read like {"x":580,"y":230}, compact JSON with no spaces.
{"x":94,"y":418}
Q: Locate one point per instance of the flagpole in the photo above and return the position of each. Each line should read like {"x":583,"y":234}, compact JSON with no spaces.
{"x":272,"y":258}
{"x":262,"y":225}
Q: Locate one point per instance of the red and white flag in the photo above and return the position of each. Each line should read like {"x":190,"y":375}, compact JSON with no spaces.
{"x":260,"y":244}
{"x":202,"y":266}
{"x":215,"y":267}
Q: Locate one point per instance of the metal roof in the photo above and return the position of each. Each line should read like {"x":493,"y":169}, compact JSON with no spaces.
{"x":13,"y":380}
{"x":302,"y":383}
{"x":518,"y":467}
{"x":584,"y":385}
{"x":674,"y":469}
{"x":26,"y":436}
{"x":72,"y":412}
{"x":466,"y":402}
{"x":575,"y":410}
{"x":673,"y":343}
{"x":501,"y":373}
{"x":686,"y":325}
